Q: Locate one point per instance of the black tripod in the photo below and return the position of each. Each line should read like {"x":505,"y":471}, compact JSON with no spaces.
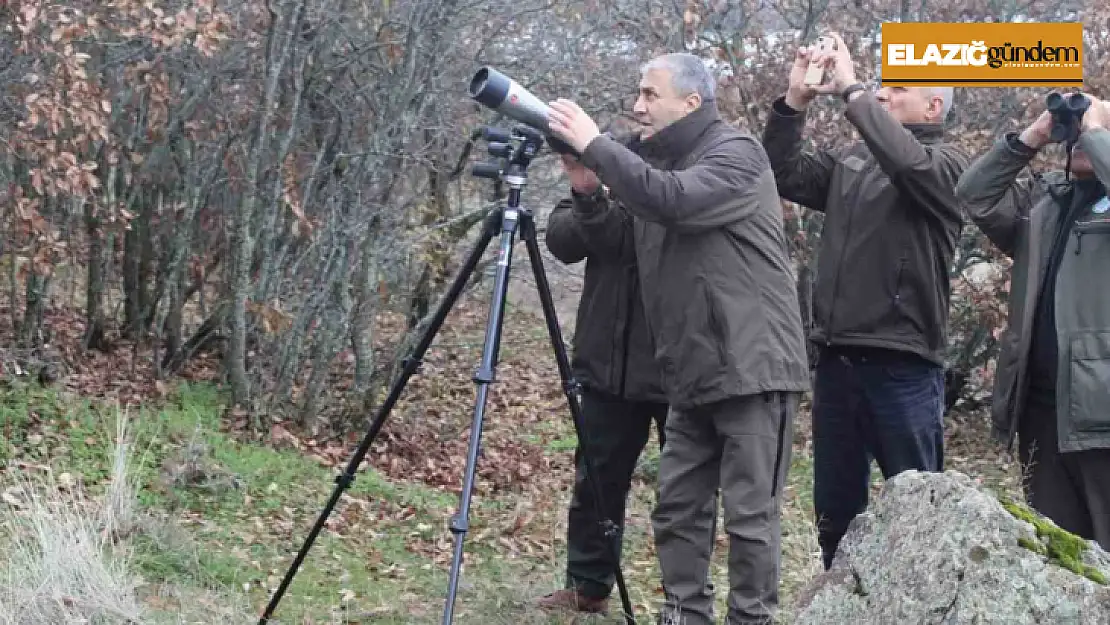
{"x":516,"y":151}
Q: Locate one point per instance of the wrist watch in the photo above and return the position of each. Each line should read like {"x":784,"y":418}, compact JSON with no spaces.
{"x":847,"y":93}
{"x":599,"y":194}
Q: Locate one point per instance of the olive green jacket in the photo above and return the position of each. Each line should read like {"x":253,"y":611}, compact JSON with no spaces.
{"x":1018,"y":215}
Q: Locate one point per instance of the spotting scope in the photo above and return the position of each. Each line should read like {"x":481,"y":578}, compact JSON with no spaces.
{"x":494,"y":90}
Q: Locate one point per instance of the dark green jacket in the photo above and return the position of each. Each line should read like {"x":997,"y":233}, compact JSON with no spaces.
{"x":1018,"y":216}
{"x":613,"y":351}
{"x":718,"y":286}
{"x":891,"y":226}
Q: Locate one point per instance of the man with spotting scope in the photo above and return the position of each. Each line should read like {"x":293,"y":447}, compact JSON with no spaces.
{"x":1052,"y":385}
{"x":721,"y":303}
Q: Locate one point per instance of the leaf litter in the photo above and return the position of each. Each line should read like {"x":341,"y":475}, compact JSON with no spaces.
{"x":425,"y":441}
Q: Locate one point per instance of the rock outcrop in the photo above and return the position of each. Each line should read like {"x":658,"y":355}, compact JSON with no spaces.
{"x":938,"y":549}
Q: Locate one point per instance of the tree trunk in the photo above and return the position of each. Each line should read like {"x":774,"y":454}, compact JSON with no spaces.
{"x":31,"y":330}
{"x":242,"y":249}
{"x":367,"y":301}
{"x":94,"y":290}
{"x":133,"y":312}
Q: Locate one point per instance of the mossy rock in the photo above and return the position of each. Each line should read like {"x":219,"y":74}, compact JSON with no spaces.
{"x":1060,"y":546}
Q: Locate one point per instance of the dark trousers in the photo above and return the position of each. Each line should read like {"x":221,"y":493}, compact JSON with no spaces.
{"x":616,"y":432}
{"x":870,"y":404}
{"x":1072,"y":488}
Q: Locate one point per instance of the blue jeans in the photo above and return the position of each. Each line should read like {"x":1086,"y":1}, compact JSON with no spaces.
{"x":870,"y":404}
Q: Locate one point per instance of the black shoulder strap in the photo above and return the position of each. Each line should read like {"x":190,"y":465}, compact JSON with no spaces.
{"x":1060,"y":193}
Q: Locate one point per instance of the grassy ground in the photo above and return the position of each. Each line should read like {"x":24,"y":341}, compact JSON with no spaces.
{"x":219,"y":519}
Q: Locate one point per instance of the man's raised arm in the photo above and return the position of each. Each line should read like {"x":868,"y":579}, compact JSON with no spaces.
{"x":713,"y":192}
{"x":995,"y":200}
{"x":588,"y":225}
{"x":927,"y":174}
{"x":1095,"y":143}
{"x":802,"y":177}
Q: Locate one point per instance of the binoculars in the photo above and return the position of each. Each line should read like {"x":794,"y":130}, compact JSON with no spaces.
{"x":1067,"y":112}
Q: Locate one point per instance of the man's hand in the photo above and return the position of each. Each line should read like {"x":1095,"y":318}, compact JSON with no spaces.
{"x":798,"y":93}
{"x":1097,"y":115}
{"x":1038,"y":134}
{"x":571,"y":124}
{"x":840,"y":65}
{"x":582,"y":179}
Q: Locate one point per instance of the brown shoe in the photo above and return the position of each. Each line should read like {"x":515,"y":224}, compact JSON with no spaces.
{"x":569,"y":599}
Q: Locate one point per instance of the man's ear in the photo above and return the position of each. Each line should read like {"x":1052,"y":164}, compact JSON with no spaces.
{"x":936,"y":107}
{"x":693,"y":101}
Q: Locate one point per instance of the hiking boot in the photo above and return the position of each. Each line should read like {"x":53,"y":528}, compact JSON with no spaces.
{"x":569,"y":599}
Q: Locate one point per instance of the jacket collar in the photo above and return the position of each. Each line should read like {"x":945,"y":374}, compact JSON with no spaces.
{"x":926,"y":132}
{"x":680,"y":137}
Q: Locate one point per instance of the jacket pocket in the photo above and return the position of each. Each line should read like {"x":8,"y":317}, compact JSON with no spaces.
{"x":716,"y":329}
{"x":1089,"y":388}
{"x":1101,"y":228}
{"x":909,"y":370}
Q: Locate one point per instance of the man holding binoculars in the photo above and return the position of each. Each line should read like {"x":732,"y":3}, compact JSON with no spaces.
{"x":1052,"y":385}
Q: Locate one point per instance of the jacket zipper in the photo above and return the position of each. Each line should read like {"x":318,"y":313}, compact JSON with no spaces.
{"x":1083,"y":228}
{"x":778,"y":451}
{"x":836,"y":281}
{"x":898,"y":282}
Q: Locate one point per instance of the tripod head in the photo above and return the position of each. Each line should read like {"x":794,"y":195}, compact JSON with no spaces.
{"x":514,"y":150}
{"x":1067,"y":112}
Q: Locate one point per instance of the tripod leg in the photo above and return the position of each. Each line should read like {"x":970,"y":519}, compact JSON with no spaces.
{"x":608,"y":527}
{"x":483,"y":378}
{"x":344,"y":480}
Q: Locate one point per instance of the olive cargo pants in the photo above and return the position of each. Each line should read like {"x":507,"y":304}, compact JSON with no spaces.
{"x":742,"y":445}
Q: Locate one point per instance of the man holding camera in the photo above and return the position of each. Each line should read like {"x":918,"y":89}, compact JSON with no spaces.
{"x":621,"y":391}
{"x":722,"y":306}
{"x":881,"y":297}
{"x":1052,"y":385}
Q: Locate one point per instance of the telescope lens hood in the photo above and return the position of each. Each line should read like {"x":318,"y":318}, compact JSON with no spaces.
{"x":489,"y":87}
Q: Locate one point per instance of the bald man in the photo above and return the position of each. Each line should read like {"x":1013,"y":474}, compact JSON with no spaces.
{"x":880,"y":303}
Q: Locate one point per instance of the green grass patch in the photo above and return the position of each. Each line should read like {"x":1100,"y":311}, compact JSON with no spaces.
{"x":227,"y":517}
